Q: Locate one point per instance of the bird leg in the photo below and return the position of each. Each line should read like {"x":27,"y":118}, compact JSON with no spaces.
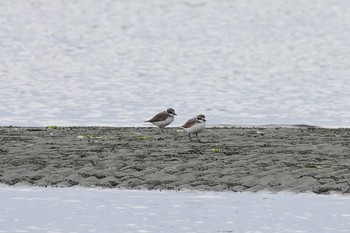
{"x":198,"y":138}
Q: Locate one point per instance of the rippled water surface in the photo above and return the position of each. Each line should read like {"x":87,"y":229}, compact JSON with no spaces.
{"x":62,"y":210}
{"x":119,"y":62}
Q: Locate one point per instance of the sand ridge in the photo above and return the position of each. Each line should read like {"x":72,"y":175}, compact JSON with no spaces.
{"x":229,"y":159}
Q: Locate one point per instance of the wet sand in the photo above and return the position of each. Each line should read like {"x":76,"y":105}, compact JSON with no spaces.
{"x":228,"y":159}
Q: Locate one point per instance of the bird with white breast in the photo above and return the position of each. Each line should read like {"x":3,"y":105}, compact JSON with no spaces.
{"x":195,"y":125}
{"x":163,"y":119}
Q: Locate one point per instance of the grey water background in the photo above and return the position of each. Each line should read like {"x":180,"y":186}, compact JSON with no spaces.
{"x":117,"y":63}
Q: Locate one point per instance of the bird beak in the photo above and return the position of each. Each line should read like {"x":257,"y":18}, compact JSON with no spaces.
{"x":205,"y":120}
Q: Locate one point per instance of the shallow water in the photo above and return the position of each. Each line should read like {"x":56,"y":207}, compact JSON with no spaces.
{"x":58,"y":210}
{"x":119,"y":62}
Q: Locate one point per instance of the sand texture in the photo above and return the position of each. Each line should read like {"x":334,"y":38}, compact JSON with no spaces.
{"x":228,"y":159}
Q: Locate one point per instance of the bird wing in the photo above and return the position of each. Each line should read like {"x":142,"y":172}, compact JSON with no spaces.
{"x":190,"y":122}
{"x":162,"y":116}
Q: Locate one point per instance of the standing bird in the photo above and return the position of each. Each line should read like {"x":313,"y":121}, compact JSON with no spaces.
{"x":195,"y":125}
{"x":163,"y":119}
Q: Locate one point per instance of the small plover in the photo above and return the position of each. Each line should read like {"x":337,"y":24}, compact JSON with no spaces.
{"x":163,"y":119}
{"x":195,"y":125}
